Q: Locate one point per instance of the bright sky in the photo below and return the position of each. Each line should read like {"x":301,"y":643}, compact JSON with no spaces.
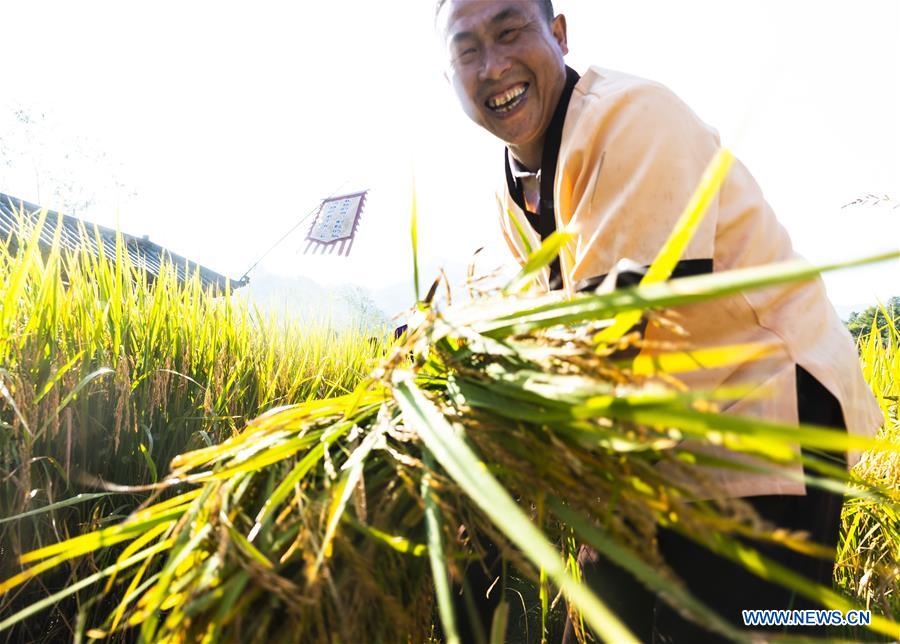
{"x":231,"y":121}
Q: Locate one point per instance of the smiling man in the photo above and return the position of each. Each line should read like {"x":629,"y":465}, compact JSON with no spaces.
{"x":614,"y":159}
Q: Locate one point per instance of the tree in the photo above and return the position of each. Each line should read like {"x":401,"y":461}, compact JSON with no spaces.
{"x":53,"y":168}
{"x":860,"y":323}
{"x":362,"y":307}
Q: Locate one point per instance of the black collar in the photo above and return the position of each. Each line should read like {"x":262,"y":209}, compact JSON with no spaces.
{"x":544,"y":222}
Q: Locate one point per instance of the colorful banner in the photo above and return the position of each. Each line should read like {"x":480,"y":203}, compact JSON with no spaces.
{"x":334,"y":226}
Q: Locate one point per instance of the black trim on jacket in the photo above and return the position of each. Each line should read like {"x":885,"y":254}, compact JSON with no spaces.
{"x":684,"y":268}
{"x":544,"y":222}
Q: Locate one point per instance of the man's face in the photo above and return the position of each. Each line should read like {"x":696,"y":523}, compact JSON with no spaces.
{"x":506,"y":65}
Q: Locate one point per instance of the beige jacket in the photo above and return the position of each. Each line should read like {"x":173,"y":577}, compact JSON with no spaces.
{"x":630,"y":157}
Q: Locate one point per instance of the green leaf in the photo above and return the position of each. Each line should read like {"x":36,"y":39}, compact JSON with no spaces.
{"x":704,"y":425}
{"x":526,"y":243}
{"x":517,"y":316}
{"x":394,"y":541}
{"x":436,"y":557}
{"x":499,"y":623}
{"x":538,"y":260}
{"x":79,"y":498}
{"x":414,"y":235}
{"x":148,"y":461}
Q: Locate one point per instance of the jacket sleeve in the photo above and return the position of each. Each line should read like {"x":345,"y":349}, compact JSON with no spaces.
{"x":631,"y":162}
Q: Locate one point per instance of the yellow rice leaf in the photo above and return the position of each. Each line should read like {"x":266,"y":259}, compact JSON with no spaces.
{"x":135,"y":546}
{"x":712,"y":358}
{"x":713,"y":178}
{"x":398,"y":543}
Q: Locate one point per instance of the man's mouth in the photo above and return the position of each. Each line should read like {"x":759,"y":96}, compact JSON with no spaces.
{"x":508,"y":100}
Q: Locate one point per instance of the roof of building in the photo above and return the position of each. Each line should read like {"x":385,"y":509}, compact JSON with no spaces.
{"x":143,"y":253}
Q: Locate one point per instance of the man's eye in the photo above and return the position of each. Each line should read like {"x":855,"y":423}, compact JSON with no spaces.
{"x":466,"y":54}
{"x":508,"y":35}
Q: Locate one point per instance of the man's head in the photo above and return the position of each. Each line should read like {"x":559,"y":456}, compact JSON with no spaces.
{"x":505,"y":61}
{"x":545,"y":5}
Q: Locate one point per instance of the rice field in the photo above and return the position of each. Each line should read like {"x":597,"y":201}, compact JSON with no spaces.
{"x":868,"y":562}
{"x":176,"y":467}
{"x":105,"y":377}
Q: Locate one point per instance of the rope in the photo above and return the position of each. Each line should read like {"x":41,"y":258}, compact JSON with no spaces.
{"x":245,"y":278}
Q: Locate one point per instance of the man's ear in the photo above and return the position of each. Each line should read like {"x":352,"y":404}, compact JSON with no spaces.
{"x":558,"y":29}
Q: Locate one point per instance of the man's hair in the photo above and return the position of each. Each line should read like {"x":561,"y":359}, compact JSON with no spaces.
{"x":546,"y":8}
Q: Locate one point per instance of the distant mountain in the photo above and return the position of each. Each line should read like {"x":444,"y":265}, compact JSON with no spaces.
{"x":300,"y":298}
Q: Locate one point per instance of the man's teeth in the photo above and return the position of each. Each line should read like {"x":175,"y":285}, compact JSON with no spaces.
{"x":506,"y":101}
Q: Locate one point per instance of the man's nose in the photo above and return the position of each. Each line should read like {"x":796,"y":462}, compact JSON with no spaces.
{"x":493,"y":65}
